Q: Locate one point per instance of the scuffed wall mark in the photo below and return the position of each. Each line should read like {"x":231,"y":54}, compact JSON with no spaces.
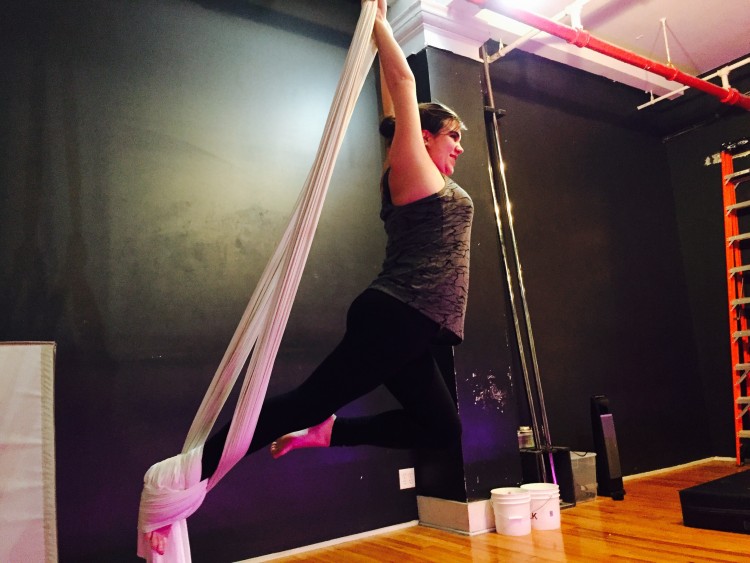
{"x":487,"y":393}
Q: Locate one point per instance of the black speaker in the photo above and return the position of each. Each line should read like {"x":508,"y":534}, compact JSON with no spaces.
{"x":536,"y":467}
{"x":608,"y":472}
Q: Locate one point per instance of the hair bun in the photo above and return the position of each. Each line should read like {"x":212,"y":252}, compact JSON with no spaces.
{"x":388,"y":127}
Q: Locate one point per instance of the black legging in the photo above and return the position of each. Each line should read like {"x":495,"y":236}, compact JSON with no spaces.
{"x":386,"y":343}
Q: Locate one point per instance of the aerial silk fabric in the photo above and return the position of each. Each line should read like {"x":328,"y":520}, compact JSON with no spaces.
{"x":172,"y":488}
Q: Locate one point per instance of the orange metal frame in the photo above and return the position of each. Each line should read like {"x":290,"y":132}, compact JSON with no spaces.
{"x":737,"y":320}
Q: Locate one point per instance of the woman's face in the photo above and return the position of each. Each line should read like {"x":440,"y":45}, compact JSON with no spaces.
{"x":444,"y":147}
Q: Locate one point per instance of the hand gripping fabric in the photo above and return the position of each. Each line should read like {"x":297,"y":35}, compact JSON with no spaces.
{"x":172,"y":488}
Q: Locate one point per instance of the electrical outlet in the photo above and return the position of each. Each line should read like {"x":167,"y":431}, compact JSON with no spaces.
{"x":406,"y":478}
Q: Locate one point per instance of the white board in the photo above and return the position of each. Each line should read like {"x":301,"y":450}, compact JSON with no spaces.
{"x":28,"y":523}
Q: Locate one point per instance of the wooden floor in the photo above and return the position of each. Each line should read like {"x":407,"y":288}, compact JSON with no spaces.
{"x":646,"y":526}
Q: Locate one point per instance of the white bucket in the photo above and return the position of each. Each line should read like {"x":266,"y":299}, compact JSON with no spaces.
{"x":545,"y":505}
{"x":512,"y":506}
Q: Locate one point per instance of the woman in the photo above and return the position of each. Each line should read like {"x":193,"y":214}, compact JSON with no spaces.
{"x":419,"y":297}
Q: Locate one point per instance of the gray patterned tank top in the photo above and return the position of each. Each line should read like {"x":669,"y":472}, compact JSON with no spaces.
{"x":426,"y":261}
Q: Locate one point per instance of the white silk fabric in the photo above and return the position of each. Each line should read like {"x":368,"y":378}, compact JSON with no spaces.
{"x":172,"y":488}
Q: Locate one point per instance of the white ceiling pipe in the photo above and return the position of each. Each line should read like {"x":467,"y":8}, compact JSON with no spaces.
{"x":575,"y":13}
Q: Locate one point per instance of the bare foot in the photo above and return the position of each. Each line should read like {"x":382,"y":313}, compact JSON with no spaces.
{"x":314,"y":437}
{"x":158,"y":539}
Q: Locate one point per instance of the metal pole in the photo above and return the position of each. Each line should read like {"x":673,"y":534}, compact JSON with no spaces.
{"x":498,"y":165}
{"x":542,"y":438}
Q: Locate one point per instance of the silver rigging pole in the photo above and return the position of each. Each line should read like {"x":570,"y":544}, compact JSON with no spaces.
{"x":497,"y":169}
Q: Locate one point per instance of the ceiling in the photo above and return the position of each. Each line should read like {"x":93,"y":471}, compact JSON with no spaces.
{"x":696,"y":36}
{"x":702,"y":36}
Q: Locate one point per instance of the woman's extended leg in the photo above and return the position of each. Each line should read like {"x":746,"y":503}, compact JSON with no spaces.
{"x":429,"y":418}
{"x":383,"y":335}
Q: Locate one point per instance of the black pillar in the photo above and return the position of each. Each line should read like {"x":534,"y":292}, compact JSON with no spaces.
{"x":481,"y":369}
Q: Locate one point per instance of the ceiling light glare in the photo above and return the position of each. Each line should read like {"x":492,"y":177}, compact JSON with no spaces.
{"x":501,"y":22}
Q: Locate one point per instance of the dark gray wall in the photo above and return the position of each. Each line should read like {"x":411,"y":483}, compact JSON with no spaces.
{"x":620,"y":224}
{"x":152,"y":154}
{"x":598,"y":238}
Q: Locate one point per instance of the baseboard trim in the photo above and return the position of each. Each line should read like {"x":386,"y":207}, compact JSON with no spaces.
{"x":468,"y":518}
{"x":331,"y":543}
{"x":674,"y":467}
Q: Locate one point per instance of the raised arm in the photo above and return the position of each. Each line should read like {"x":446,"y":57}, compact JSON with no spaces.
{"x":413,"y":174}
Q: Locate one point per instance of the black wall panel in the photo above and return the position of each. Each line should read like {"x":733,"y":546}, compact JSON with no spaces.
{"x":697,"y":184}
{"x":488,"y":393}
{"x":152,"y":154}
{"x":598,"y":240}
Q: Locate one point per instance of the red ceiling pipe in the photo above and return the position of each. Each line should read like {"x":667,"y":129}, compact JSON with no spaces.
{"x":582,"y":38}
